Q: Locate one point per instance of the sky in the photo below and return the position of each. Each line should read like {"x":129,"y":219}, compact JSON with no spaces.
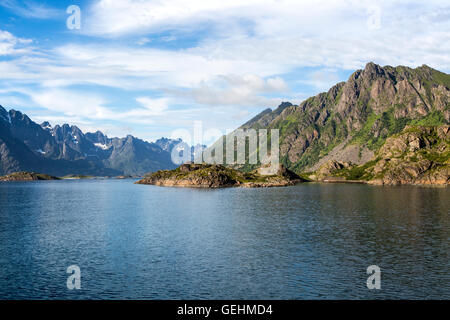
{"x":151,"y":68}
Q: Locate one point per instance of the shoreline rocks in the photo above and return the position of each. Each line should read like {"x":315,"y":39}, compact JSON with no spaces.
{"x":218,"y":176}
{"x":27,"y":176}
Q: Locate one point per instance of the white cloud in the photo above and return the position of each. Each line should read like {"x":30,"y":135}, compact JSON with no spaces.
{"x":154,"y":106}
{"x":185,"y":68}
{"x":92,"y":106}
{"x":322,"y":79}
{"x":142,"y":41}
{"x":168,"y":38}
{"x":256,"y":83}
{"x":78,"y":105}
{"x":118,"y":17}
{"x":72,"y":103}
{"x":292,"y":32}
{"x":242,"y":115}
{"x":11,"y":45}
{"x":245,"y":90}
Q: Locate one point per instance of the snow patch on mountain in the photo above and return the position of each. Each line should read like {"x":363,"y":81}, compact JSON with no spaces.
{"x":102,"y":146}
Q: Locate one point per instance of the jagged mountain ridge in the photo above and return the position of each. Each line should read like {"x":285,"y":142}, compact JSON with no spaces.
{"x":353,"y":119}
{"x":60,"y":150}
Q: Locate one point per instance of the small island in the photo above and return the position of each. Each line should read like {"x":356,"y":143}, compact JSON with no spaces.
{"x":77,"y":177}
{"x":219,"y":176}
{"x":27,"y":176}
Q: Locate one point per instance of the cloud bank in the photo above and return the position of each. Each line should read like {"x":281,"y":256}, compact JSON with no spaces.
{"x":169,"y":60}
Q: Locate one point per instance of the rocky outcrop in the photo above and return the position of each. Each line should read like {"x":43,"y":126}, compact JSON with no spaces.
{"x":346,"y":153}
{"x":418,"y":155}
{"x":327,"y":170}
{"x":216,"y":176}
{"x":27,"y":176}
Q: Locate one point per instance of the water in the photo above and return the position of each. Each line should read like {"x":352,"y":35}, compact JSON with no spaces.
{"x":311,"y":241}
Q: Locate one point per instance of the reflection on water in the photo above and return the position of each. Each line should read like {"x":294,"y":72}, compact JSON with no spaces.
{"x":311,"y":241}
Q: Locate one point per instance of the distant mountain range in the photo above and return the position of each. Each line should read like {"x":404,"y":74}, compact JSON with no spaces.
{"x":62,"y":150}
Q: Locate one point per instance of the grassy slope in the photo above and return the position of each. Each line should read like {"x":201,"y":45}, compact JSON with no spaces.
{"x":433,"y":154}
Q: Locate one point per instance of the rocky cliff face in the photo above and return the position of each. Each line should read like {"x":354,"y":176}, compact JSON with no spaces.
{"x":417,"y":155}
{"x":351,"y":121}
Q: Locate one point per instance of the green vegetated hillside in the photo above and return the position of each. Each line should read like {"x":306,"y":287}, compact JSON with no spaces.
{"x":347,"y":126}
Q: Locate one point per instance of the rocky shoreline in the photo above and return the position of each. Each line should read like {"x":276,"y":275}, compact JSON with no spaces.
{"x":27,"y":176}
{"x":218,"y":176}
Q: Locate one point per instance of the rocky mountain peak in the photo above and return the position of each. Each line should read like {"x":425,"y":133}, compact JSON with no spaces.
{"x":4,"y":115}
{"x":373,"y":71}
{"x":76,"y":131}
{"x":97,"y":137}
{"x":19,"y":117}
{"x":284,"y":104}
{"x":167,"y":144}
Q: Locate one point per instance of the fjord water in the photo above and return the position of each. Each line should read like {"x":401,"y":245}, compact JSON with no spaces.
{"x":310,"y":241}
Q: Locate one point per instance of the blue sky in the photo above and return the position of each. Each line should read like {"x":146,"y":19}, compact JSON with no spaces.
{"x":149,"y":68}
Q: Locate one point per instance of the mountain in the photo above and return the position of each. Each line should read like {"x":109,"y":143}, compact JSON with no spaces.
{"x":351,"y":122}
{"x":169,"y":144}
{"x":62,"y":150}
